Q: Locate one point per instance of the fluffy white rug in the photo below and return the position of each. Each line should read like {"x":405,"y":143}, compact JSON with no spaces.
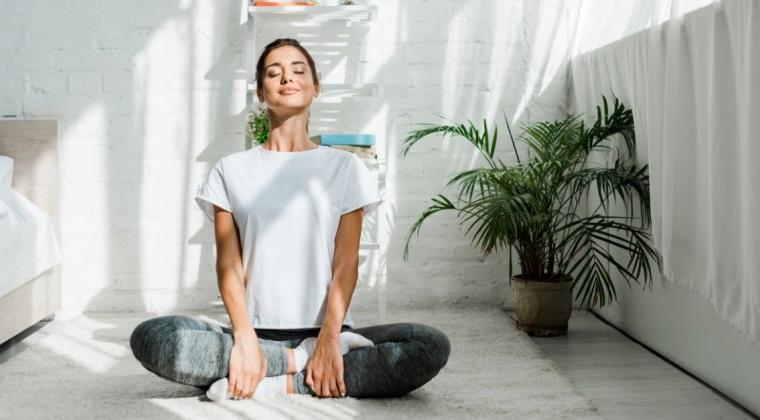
{"x":83,"y":368}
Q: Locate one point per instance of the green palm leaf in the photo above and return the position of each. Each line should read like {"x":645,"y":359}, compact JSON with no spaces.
{"x":531,"y":206}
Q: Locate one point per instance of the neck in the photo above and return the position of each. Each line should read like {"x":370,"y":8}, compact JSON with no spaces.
{"x":288,"y":133}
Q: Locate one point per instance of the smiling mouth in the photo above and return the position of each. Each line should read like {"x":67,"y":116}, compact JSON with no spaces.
{"x":288,"y":91}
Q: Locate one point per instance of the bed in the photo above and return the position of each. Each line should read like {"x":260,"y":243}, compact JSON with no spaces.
{"x":29,"y":247}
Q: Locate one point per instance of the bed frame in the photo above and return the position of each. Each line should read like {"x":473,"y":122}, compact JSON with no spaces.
{"x":33,"y":144}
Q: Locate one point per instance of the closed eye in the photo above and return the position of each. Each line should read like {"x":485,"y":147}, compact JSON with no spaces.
{"x":277,"y":74}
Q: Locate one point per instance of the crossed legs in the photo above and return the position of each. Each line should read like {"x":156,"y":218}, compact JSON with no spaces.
{"x":186,"y":350}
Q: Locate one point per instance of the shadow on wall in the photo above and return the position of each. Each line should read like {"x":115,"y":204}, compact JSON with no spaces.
{"x":149,"y":151}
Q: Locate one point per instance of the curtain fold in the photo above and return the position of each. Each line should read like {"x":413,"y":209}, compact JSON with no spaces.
{"x":692,"y":83}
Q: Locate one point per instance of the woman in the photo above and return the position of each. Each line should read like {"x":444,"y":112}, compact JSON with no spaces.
{"x":287,"y":282}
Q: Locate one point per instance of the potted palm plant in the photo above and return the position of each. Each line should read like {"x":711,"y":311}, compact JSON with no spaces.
{"x":533,"y":207}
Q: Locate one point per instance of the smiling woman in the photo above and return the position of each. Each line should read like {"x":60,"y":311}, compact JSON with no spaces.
{"x":288,"y":218}
{"x":286,"y":79}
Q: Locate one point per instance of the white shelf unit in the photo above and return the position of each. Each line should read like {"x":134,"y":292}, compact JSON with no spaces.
{"x":377,"y":167}
{"x":304,"y":16}
{"x":373,"y":235}
{"x":314,"y":14}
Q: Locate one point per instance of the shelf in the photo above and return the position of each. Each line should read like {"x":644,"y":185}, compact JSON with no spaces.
{"x":336,"y":90}
{"x":314,"y":14}
{"x":334,"y":97}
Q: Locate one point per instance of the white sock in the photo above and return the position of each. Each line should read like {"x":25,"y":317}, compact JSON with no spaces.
{"x":303,"y":352}
{"x":271,"y":386}
{"x":351,"y":340}
{"x":268,"y":387}
{"x":348,"y":341}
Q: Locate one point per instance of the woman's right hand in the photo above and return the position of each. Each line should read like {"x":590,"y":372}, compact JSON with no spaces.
{"x":247,"y":365}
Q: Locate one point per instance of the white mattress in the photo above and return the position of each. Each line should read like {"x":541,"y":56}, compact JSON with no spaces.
{"x":28,"y":245}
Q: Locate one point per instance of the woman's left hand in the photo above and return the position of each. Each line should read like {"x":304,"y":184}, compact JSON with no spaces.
{"x":324,"y":372}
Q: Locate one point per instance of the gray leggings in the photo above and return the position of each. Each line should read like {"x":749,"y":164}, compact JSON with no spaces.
{"x":193,"y":352}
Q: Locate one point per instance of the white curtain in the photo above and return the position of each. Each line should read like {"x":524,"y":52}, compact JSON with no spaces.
{"x":693,"y":83}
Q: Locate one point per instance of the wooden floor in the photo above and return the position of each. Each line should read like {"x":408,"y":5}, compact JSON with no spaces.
{"x":627,"y":381}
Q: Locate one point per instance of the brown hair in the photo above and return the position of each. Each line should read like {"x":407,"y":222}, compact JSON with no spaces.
{"x":277,"y":43}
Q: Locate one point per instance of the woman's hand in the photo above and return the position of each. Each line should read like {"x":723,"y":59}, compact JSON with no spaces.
{"x":324,"y":372}
{"x":247,"y":365}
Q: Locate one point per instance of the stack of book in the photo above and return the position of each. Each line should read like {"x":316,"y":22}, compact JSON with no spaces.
{"x":363,"y":145}
{"x":364,"y":152}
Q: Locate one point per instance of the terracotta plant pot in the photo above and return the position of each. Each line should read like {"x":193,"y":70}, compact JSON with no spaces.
{"x":542,"y":307}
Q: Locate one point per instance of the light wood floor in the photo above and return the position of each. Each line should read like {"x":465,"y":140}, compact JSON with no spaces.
{"x":627,"y":381}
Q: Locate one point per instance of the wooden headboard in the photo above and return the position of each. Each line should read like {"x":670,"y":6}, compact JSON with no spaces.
{"x":33,"y":145}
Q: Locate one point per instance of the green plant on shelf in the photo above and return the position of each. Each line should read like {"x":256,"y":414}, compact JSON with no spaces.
{"x":258,"y":124}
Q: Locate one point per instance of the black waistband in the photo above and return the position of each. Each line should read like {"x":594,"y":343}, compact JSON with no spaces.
{"x":290,"y":333}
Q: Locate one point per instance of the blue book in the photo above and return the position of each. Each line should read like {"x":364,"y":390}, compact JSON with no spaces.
{"x":345,"y":139}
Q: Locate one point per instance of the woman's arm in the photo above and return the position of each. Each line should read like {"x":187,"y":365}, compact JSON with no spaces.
{"x":325,"y":368}
{"x":229,"y":270}
{"x":247,"y":366}
{"x":345,"y":268}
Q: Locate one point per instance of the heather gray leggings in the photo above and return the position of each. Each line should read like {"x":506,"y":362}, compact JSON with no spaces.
{"x":194,"y":352}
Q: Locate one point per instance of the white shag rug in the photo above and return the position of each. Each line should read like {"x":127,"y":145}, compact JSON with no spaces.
{"x":83,"y":368}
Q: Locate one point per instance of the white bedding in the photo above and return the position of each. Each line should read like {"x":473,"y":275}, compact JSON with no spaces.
{"x":28,"y":245}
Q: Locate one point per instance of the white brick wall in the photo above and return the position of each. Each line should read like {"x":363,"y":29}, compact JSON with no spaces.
{"x":149,"y":94}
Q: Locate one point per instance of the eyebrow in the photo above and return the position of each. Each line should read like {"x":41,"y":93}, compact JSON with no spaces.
{"x":278,"y":64}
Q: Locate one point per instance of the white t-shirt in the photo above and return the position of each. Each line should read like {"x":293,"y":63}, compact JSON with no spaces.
{"x":287,"y":206}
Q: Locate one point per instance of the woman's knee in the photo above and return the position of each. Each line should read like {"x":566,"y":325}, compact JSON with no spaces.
{"x":429,"y":353}
{"x":150,"y":332}
{"x":436,"y":346}
{"x":156,"y":343}
{"x":141,"y":336}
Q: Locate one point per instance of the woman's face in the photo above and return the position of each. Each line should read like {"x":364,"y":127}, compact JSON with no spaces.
{"x":288,"y":80}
